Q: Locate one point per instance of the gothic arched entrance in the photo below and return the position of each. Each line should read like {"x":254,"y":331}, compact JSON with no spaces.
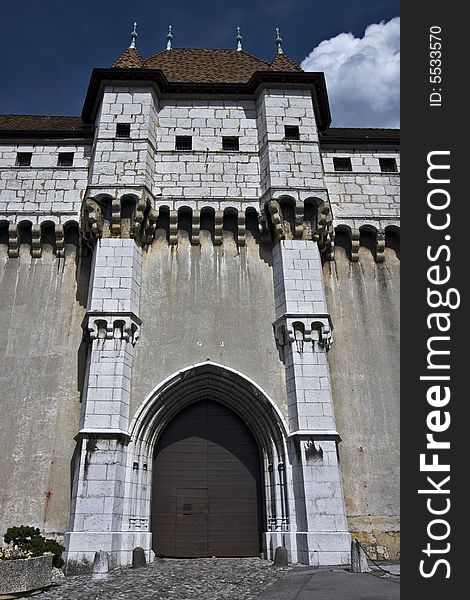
{"x":206,"y":490}
{"x":248,"y":410}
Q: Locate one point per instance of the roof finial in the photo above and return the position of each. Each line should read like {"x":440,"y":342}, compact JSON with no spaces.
{"x":239,"y":40}
{"x":169,"y":38}
{"x":133,"y":36}
{"x":278,"y":42}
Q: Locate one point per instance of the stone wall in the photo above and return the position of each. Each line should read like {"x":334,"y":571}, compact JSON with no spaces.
{"x":202,"y":303}
{"x":42,"y":304}
{"x":120,"y":162}
{"x":363,"y":299}
{"x":365,"y":195}
{"x":207,"y":168}
{"x":44,"y":190}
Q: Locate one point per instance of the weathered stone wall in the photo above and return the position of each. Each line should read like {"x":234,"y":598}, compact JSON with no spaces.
{"x":288,"y":164}
{"x":42,"y":304}
{"x":364,"y":196}
{"x":363,"y":299}
{"x":44,"y":190}
{"x":123,"y":162}
{"x":207,"y":171}
{"x":203,"y":303}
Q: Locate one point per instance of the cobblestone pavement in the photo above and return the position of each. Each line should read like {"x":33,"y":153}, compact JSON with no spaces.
{"x":175,"y":579}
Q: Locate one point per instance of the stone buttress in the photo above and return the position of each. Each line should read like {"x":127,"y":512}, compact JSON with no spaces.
{"x":116,"y":221}
{"x":303,"y":334}
{"x":298,"y":213}
{"x":112,"y":326}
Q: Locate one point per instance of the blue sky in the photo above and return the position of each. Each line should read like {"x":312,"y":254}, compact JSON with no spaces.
{"x":51,"y":47}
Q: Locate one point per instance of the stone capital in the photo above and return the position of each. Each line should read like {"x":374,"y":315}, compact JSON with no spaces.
{"x":299,"y":328}
{"x":109,"y":326}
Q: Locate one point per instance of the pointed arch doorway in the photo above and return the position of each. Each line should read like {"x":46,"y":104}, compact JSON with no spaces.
{"x":206,"y":485}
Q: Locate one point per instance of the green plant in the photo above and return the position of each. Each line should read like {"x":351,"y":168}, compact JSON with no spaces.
{"x":20,"y":535}
{"x":30,"y":540}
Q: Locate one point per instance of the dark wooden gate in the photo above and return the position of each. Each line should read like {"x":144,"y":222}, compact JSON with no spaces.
{"x":206,"y":492}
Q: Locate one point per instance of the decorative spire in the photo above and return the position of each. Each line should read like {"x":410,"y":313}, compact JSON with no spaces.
{"x":278,"y":42}
{"x":169,"y":38}
{"x":239,"y":40}
{"x":133,"y":36}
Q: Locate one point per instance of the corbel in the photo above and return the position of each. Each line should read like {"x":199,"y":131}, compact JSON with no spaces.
{"x":173,"y":227}
{"x":36,"y":248}
{"x":196,"y":227}
{"x":380,"y":246}
{"x":241,"y":228}
{"x":59,"y":240}
{"x":13,"y":241}
{"x":115,"y":217}
{"x":218,"y":223}
{"x":354,"y":235}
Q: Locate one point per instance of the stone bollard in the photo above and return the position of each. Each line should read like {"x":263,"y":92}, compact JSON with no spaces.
{"x":100,"y":566}
{"x":138,"y":558}
{"x":280,"y":557}
{"x":359,"y":562}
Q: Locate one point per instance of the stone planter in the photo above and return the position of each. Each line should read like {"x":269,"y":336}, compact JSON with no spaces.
{"x":25,"y":574}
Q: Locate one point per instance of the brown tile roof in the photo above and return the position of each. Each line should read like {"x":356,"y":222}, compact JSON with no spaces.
{"x":350,"y":137}
{"x":130,"y":59}
{"x":20,"y":125}
{"x":282,"y":62}
{"x":201,"y":65}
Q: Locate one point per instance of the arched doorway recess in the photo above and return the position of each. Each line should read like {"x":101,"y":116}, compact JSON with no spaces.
{"x":245,"y":406}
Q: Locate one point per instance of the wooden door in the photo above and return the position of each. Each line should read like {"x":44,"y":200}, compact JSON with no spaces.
{"x":206,"y":497}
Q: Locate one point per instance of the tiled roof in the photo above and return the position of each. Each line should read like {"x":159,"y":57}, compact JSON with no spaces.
{"x":130,"y":59}
{"x":20,"y":125}
{"x":201,"y":65}
{"x":283,"y":63}
{"x":348,"y":137}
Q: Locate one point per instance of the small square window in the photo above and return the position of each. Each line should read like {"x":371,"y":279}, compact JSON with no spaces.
{"x":291,"y":133}
{"x":184,"y":142}
{"x":231,"y":144}
{"x":123,"y":130}
{"x":342,"y":164}
{"x":388,"y":165}
{"x":23,"y":159}
{"x":65,"y":159}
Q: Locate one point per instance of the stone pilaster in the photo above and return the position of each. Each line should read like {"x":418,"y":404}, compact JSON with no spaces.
{"x":112,"y":327}
{"x":303,"y":334}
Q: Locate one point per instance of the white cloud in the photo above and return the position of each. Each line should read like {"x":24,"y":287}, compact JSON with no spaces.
{"x":362,"y":75}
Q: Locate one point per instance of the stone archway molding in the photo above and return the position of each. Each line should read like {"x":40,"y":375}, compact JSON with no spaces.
{"x":153,"y":403}
{"x":217,"y":382}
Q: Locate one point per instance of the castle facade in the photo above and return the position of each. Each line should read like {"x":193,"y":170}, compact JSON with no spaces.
{"x":199,"y":293}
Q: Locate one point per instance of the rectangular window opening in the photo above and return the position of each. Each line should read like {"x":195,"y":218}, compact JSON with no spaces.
{"x":231,"y":144}
{"x":23,"y":159}
{"x":388,"y":165}
{"x":342,"y":164}
{"x":291,"y":133}
{"x":65,"y":159}
{"x":184,"y":142}
{"x":123,"y":130}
